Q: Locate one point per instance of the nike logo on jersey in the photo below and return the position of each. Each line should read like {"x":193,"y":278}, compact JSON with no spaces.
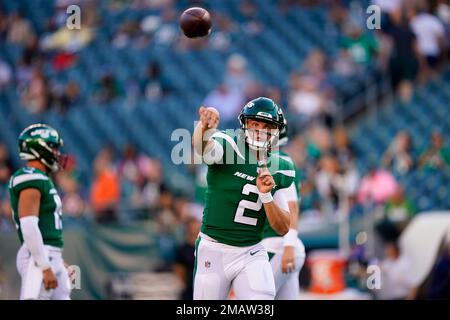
{"x":244,"y":176}
{"x":254,"y":252}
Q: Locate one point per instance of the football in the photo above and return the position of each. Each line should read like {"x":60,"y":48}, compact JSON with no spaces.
{"x":195,"y":22}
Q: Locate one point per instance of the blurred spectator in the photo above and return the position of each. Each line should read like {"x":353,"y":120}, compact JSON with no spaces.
{"x":310,"y":199}
{"x":405,"y":56}
{"x":6,"y":165}
{"x":24,"y":72}
{"x":318,"y":142}
{"x":305,"y":100}
{"x":398,"y":156}
{"x":140,"y":178}
{"x":396,"y":281}
{"x":36,"y":95}
{"x":237,"y":78}
{"x":167,"y":31}
{"x":69,"y":40}
{"x":430,"y":33}
{"x":342,"y":149}
{"x":250,"y":23}
{"x":126,"y":34}
{"x":5,"y":74}
{"x":72,"y":202}
{"x":65,"y":97}
{"x":105,"y":189}
{"x":398,"y":211}
{"x":377,"y":186}
{"x":221,"y":39}
{"x":3,"y":25}
{"x":334,"y":184}
{"x":437,"y":156}
{"x":314,"y":68}
{"x":155,"y":85}
{"x":344,"y":65}
{"x":227,"y":101}
{"x":6,"y":170}
{"x":362,"y":47}
{"x":108,"y":89}
{"x":185,"y":259}
{"x":167,"y":228}
{"x":20,"y":29}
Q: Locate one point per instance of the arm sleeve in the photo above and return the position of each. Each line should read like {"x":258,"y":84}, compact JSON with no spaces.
{"x":33,"y":240}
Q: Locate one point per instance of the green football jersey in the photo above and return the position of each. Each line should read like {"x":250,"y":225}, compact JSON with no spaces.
{"x":233,"y":213}
{"x":268,"y":231}
{"x":50,"y":213}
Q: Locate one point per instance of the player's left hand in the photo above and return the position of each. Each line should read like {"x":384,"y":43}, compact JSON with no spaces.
{"x":288,"y":260}
{"x":264,"y":181}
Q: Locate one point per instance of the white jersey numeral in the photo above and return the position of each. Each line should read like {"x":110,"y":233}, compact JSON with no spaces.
{"x":245,"y":204}
{"x":58,"y":212}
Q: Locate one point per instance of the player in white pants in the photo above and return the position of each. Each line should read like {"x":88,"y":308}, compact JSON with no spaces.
{"x":36,"y":210}
{"x":246,"y":188}
{"x":32,"y":277}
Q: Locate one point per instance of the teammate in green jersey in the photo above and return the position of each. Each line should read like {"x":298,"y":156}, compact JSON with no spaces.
{"x":36,"y":209}
{"x":287,"y":253}
{"x":246,"y":187}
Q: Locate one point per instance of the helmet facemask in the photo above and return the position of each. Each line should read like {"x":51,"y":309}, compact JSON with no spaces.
{"x":260,"y":139}
{"x":47,"y":154}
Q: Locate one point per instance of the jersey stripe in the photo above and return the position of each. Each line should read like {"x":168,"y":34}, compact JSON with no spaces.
{"x":289,"y":173}
{"x":28,"y":177}
{"x":288,"y":159}
{"x":230,"y":141}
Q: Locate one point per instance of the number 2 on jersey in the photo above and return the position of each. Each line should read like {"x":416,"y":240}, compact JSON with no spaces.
{"x":245,"y":204}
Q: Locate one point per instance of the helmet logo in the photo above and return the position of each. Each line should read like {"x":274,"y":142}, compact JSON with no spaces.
{"x":44,"y":133}
{"x":249,"y":105}
{"x":264,"y":114}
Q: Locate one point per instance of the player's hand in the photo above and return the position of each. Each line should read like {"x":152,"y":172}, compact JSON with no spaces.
{"x":209,"y":117}
{"x":288,"y":260}
{"x":50,"y":281}
{"x":264,"y":181}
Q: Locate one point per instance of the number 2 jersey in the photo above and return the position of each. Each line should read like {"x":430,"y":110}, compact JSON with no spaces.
{"x":50,"y":223}
{"x":233,"y":213}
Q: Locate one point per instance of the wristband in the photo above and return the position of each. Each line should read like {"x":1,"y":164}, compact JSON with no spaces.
{"x":266,"y":197}
{"x":290,"y":238}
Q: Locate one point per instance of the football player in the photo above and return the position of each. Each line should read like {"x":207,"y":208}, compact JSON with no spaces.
{"x":246,"y":187}
{"x":36,"y":208}
{"x":287,"y":253}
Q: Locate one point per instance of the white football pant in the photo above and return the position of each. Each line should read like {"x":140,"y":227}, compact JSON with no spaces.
{"x":219,"y":267}
{"x":32,"y":286}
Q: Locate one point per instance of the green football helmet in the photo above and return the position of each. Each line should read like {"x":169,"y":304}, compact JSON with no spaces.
{"x":42,"y":142}
{"x":261,"y":109}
